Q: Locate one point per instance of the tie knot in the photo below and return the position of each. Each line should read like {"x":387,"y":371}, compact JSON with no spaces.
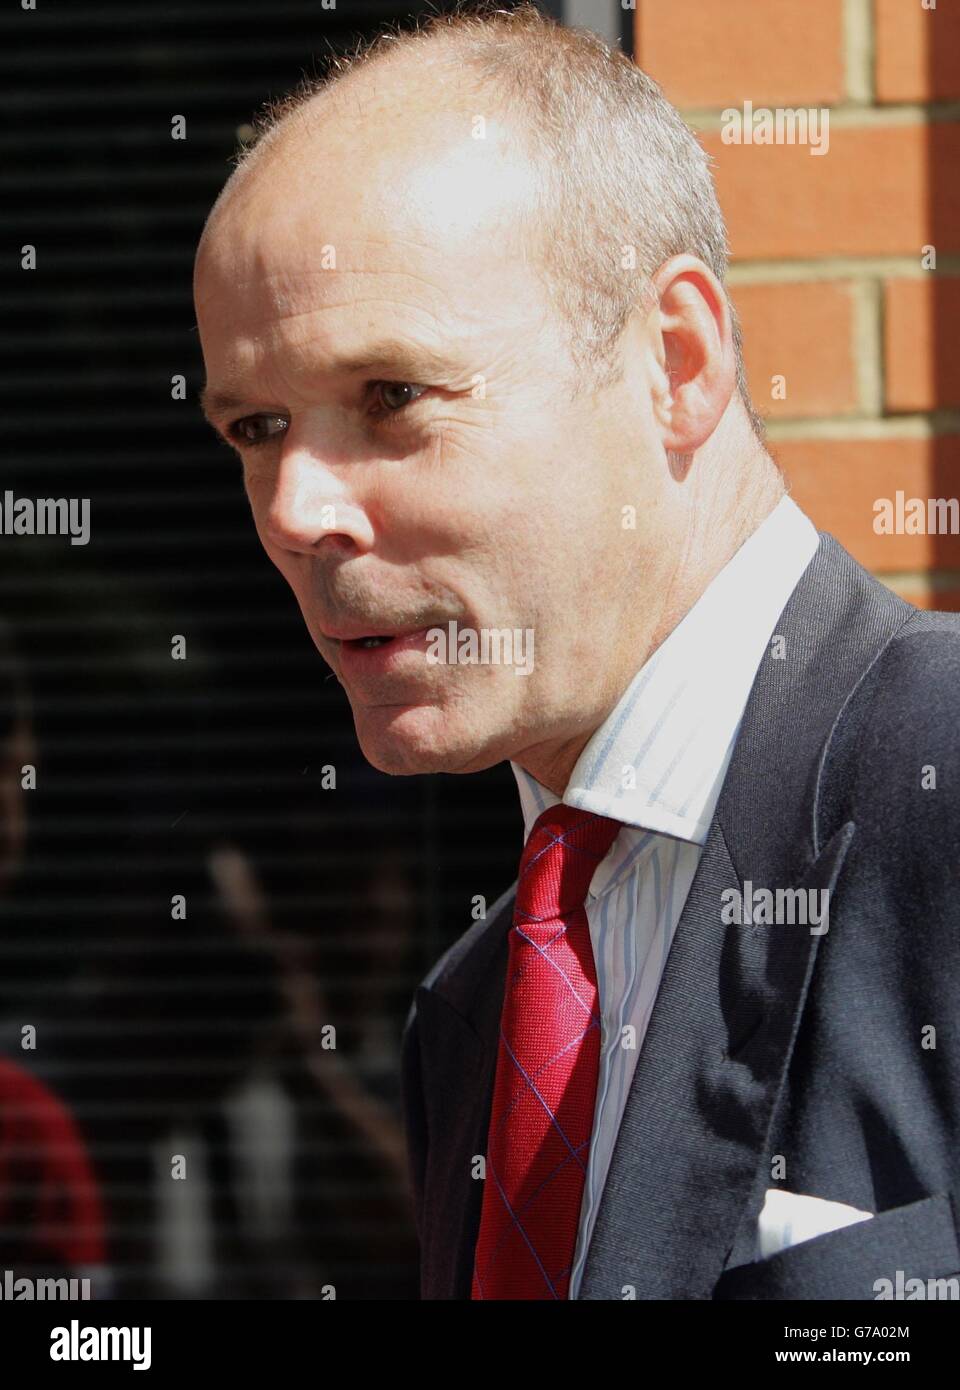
{"x":562,"y":851}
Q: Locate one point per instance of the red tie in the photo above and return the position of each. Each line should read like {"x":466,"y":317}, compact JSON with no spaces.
{"x":547,"y":1065}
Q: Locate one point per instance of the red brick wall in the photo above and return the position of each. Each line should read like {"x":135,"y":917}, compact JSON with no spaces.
{"x":827,"y":269}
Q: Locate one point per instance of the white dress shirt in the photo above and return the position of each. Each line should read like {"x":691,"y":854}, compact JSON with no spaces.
{"x":657,"y":764}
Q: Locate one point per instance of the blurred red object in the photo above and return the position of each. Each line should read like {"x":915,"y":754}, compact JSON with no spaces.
{"x":50,"y":1208}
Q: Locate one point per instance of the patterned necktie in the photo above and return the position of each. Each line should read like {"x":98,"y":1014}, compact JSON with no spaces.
{"x":547,"y":1065}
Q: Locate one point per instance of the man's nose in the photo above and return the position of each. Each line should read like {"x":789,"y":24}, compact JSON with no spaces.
{"x":310,"y":501}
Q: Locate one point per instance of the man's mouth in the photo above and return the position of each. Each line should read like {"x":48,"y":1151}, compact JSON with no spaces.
{"x":359,"y":635}
{"x":370,"y":653}
{"x":365,"y":640}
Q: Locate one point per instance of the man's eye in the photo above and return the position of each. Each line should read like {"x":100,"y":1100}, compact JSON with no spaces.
{"x":390,"y":398}
{"x":253,"y":430}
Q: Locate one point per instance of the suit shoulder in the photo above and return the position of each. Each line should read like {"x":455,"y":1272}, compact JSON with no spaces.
{"x":898,"y":736}
{"x":916,"y":684}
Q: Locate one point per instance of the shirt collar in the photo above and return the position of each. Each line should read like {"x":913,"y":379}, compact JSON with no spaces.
{"x":658,"y":760}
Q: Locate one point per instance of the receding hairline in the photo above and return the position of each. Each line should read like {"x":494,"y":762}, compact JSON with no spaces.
{"x":286,"y":121}
{"x":434,"y":41}
{"x":294,"y":122}
{"x":402,"y":71}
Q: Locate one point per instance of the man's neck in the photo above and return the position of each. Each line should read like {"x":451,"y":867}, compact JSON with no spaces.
{"x":552,"y":763}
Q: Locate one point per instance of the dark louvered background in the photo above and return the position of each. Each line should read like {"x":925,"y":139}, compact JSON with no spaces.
{"x":159,"y":777}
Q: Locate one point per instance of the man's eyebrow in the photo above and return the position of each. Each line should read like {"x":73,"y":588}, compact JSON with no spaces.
{"x":214,"y":403}
{"x":406,"y":361}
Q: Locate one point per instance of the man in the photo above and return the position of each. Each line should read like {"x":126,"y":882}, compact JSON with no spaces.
{"x":463,"y":317}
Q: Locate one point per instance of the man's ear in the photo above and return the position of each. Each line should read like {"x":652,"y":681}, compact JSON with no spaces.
{"x":699,"y":361}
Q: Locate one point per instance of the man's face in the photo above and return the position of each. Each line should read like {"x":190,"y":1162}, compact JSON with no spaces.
{"x":447,"y":478}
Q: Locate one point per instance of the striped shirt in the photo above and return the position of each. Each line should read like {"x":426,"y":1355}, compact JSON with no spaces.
{"x":657,"y":764}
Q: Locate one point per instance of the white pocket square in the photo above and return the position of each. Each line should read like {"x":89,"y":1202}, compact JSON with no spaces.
{"x":788,"y":1218}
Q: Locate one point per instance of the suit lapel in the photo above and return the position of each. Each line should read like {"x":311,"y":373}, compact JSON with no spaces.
{"x":459,"y":1025}
{"x":699,"y":1107}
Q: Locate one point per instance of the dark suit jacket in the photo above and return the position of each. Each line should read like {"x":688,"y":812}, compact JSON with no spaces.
{"x":765,"y":1040}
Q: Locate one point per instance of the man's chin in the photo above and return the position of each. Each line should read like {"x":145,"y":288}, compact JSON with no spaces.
{"x":411,"y":740}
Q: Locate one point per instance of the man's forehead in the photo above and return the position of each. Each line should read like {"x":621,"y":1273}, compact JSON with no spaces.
{"x":303,"y":276}
{"x":307,"y":312}
{"x":447,"y":185}
{"x":451,"y":252}
{"x":314,"y":321}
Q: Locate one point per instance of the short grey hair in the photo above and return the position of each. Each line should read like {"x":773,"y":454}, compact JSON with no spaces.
{"x":625,"y":183}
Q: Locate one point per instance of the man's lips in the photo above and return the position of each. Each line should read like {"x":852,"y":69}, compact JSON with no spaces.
{"x":361,"y":656}
{"x":362,"y":634}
